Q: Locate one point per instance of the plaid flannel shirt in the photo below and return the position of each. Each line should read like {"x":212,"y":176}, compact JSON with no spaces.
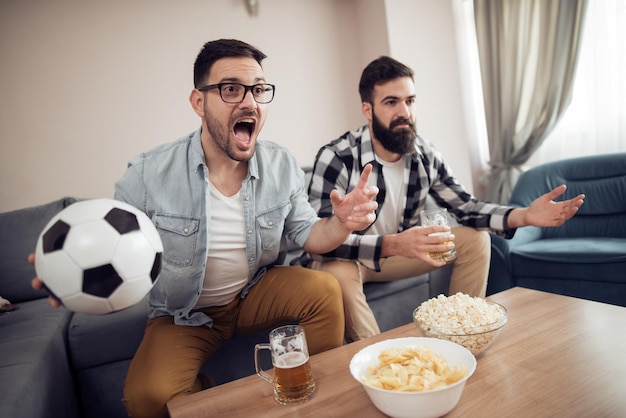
{"x":339,"y":164}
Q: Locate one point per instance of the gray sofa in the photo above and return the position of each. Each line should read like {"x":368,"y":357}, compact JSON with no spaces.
{"x":584,"y":258}
{"x":55,"y":363}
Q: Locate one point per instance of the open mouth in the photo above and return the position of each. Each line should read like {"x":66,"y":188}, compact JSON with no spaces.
{"x":243,"y":130}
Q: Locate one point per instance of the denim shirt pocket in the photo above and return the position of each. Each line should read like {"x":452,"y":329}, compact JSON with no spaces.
{"x":180,"y":237}
{"x":271,"y":225}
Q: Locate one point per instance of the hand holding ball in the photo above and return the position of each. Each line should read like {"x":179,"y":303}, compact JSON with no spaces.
{"x":99,"y":256}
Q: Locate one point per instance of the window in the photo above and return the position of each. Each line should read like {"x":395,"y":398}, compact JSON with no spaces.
{"x":595,"y":121}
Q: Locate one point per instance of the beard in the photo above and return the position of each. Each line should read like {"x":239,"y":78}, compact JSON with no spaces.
{"x":400,"y":142}
{"x":220,"y":135}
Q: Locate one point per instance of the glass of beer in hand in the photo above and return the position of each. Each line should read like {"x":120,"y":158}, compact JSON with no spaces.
{"x":293,"y":382}
{"x":438,"y":216}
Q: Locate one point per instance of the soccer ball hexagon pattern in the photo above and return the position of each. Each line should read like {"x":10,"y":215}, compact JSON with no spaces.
{"x":99,"y":256}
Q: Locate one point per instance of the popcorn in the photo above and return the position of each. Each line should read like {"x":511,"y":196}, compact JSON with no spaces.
{"x":469,"y":321}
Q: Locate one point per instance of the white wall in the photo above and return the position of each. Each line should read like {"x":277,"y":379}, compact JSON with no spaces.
{"x":422,"y":35}
{"x":84,"y":86}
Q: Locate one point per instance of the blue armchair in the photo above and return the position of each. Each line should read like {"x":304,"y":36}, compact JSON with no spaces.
{"x":586,"y":257}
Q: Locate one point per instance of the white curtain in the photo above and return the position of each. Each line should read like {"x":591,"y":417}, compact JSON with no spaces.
{"x":528,"y":51}
{"x":595,"y":121}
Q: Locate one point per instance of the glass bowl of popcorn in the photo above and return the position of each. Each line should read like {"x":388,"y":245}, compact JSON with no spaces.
{"x":472,"y":322}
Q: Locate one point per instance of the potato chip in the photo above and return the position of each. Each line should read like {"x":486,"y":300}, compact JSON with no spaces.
{"x":412,"y":369}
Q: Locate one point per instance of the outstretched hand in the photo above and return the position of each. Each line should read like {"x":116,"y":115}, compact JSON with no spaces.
{"x":545,"y":212}
{"x":357,"y":209}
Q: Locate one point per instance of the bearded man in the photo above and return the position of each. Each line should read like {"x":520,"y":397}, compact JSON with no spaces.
{"x":407,"y":169}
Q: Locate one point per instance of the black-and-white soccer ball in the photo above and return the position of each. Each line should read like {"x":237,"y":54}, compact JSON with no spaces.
{"x":99,"y":256}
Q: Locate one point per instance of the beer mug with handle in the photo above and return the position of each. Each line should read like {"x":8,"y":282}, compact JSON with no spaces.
{"x":293,"y":381}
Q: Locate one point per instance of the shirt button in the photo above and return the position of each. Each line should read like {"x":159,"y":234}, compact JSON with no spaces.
{"x":251,"y":259}
{"x":185,"y":230}
{"x":270,"y":223}
{"x":247,"y":198}
{"x":249,"y":231}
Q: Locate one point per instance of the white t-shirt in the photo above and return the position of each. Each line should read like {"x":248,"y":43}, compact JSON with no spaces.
{"x":390,"y":215}
{"x":226,"y":268}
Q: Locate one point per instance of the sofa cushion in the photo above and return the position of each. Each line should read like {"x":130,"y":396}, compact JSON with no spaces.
{"x":567,"y":269}
{"x":20,"y":230}
{"x":393,"y":302}
{"x":375,"y":291}
{"x":101,"y":390}
{"x":100,"y":350}
{"x":95,"y":340}
{"x":588,"y":268}
{"x":35,"y":378}
{"x":574,"y":250}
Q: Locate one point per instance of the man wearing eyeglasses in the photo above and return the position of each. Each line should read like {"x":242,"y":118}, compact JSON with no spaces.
{"x":224,"y":203}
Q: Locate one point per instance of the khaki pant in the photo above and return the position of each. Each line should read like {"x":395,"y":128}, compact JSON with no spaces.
{"x":170,"y":356}
{"x":469,"y":275}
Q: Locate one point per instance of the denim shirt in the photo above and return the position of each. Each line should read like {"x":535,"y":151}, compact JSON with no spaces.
{"x":169,"y":184}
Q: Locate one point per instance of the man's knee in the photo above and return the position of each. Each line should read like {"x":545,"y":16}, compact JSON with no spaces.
{"x":322,"y":307}
{"x":146,"y":399}
{"x":472,"y":241}
{"x":323,"y":284}
{"x":481,"y":240}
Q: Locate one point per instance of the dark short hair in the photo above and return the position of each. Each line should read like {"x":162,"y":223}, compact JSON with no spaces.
{"x":380,"y":71}
{"x":221,"y":48}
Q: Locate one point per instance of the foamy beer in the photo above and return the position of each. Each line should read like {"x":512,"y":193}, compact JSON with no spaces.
{"x":293,"y":382}
{"x":439,"y":216}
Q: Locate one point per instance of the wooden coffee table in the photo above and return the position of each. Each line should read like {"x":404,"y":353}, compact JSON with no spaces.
{"x":556,"y":356}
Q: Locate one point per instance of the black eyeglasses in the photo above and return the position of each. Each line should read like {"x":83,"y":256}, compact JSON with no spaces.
{"x":236,"y":92}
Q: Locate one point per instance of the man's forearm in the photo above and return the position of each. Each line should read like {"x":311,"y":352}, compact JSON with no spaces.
{"x":326,"y":235}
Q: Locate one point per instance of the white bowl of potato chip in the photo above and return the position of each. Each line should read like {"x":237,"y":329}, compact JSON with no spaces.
{"x":417,"y":377}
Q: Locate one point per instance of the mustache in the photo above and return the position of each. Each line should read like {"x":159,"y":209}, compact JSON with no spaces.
{"x":400,"y":121}
{"x":246,"y":113}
